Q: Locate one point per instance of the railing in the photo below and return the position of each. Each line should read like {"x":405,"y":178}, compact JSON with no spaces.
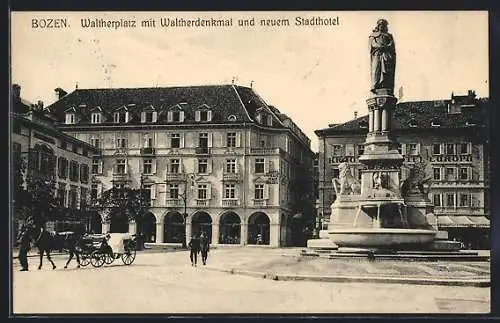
{"x":260,"y":202}
{"x":175,"y":177}
{"x":230,"y":203}
{"x":120,"y":176}
{"x":264,"y":151}
{"x":148,"y":151}
{"x":174,"y":203}
{"x":202,"y":150}
{"x":231,"y":176}
{"x":202,"y":202}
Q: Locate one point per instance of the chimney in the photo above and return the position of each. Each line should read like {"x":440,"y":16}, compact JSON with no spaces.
{"x":60,"y":93}
{"x":355,"y":114}
{"x":16,"y":91}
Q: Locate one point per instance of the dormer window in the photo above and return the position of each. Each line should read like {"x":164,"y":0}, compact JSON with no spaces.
{"x":121,"y":116}
{"x":363,"y":124}
{"x":269,"y":121}
{"x":435,"y":124}
{"x":176,"y":114}
{"x":203,"y":114}
{"x":412,"y":123}
{"x":96,"y":117}
{"x":149,"y":115}
{"x":70,"y":118}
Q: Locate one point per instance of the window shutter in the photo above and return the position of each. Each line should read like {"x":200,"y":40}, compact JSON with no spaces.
{"x":126,"y":116}
{"x":197,"y":116}
{"x":418,"y":148}
{"x":168,"y":143}
{"x":143,"y":117}
{"x":181,"y":116}
{"x":181,"y":140}
{"x":238,"y":139}
{"x":209,"y":191}
{"x":155,"y":116}
{"x":113,"y":141}
{"x":99,"y":190}
{"x":224,"y":139}
{"x":181,"y":166}
{"x":475,"y":174}
{"x":266,"y":192}
{"x":209,"y":166}
{"x":209,"y":115}
{"x":237,"y":167}
{"x":266,"y":166}
{"x":403,"y":149}
{"x":126,"y":166}
{"x":169,"y":116}
{"x":153,"y":191}
{"x":469,"y":173}
{"x":153,"y":166}
{"x":210,"y":139}
{"x":99,"y":169}
{"x":441,"y":149}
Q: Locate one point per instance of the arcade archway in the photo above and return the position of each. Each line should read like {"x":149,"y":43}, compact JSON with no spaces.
{"x":258,"y":228}
{"x":173,"y":228}
{"x":230,"y":228}
{"x":146,"y":226}
{"x":202,"y":222}
{"x":118,"y":223}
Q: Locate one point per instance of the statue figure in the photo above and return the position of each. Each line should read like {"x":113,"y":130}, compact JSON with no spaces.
{"x":346,"y":184}
{"x":383,"y":57}
{"x":380,"y":186}
{"x":416,"y":181}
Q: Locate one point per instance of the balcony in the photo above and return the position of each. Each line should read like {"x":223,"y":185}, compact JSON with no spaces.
{"x":260,"y":203}
{"x":264,"y":151}
{"x":121,"y":151}
{"x":148,"y":151}
{"x":202,"y":151}
{"x":175,"y":177}
{"x":121,"y":176}
{"x":203,"y":203}
{"x":174,"y":203}
{"x":230,"y":203}
{"x":231,"y":177}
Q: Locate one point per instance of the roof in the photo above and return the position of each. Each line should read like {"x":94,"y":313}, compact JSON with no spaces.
{"x":224,"y":100}
{"x":422,"y":115}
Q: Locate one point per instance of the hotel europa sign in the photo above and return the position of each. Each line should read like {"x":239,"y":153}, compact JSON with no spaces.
{"x":411,"y":159}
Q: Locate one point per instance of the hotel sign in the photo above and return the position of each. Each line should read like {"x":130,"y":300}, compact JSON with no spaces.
{"x":342,"y":159}
{"x":450,"y":158}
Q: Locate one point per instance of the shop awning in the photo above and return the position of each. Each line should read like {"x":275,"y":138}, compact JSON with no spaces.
{"x":463,"y":221}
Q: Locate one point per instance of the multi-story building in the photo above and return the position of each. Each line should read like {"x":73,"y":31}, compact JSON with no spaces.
{"x":236,"y":167}
{"x":450,"y":136}
{"x":50,"y":155}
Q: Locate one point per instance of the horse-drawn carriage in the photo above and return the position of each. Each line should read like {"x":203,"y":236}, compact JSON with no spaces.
{"x":100,"y":249}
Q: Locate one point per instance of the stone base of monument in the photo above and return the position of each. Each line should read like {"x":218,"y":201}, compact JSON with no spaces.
{"x":323,"y":244}
{"x":407,"y":255}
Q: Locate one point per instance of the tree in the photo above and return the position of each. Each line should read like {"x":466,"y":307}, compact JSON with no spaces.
{"x":122,"y":202}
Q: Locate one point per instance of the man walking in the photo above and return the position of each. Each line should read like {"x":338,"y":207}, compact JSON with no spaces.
{"x":204,"y":247}
{"x":194,"y":245}
{"x":25,"y":241}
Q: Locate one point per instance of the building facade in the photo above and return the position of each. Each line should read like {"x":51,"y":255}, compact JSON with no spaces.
{"x":450,"y":137}
{"x":237,"y":168}
{"x":49,"y":154}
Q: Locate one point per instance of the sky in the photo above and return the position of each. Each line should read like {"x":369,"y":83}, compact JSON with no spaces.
{"x":316,"y":75}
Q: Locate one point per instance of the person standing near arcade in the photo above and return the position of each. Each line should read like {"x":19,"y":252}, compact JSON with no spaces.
{"x":194,"y":245}
{"x":204,"y":247}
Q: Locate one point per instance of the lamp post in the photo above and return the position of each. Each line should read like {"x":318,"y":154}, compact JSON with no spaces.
{"x":183,"y":196}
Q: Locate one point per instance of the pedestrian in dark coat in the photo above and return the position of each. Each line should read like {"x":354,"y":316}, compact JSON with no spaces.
{"x":204,"y":248}
{"x":25,"y":245}
{"x":194,"y":245}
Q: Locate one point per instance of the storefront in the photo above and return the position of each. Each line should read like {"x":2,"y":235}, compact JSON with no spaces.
{"x":472,"y":231}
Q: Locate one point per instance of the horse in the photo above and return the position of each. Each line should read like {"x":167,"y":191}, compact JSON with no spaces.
{"x":47,"y":241}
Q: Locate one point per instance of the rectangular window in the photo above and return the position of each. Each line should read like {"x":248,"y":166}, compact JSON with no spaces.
{"x":120,"y":166}
{"x":61,"y":194}
{"x":203,"y":115}
{"x":176,"y":116}
{"x":73,"y":171}
{"x":436,"y":149}
{"x":62,"y":167}
{"x":84,"y":173}
{"x":146,"y":193}
{"x":96,"y":118}
{"x":95,"y":166}
{"x":450,"y":199}
{"x":149,"y":116}
{"x":73,"y":198}
{"x":437,"y":199}
{"x":203,"y":139}
{"x":412,"y":149}
{"x":464,"y":148}
{"x":202,"y":191}
{"x":229,"y":191}
{"x":70,"y":118}
{"x":96,"y":142}
{"x":148,"y":141}
{"x":259,"y":191}
{"x":148,"y":166}
{"x":202,"y":166}
{"x":120,"y":117}
{"x":464,"y":200}
{"x":173,"y":190}
{"x":93,"y":191}
{"x":259,"y":165}
{"x":121,"y":143}
{"x":464,"y":173}
{"x":83,"y":198}
{"x":175,"y":166}
{"x":175,"y":140}
{"x":338,"y":150}
{"x":336,"y":173}
{"x":231,"y":166}
{"x":450,"y":149}
{"x":437,"y":174}
{"x":361,"y":150}
{"x":450,"y":174}
{"x":231,"y":139}
{"x":74,"y":149}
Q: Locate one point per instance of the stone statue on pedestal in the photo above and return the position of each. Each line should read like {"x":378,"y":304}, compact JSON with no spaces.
{"x":346,"y":184}
{"x":383,"y":58}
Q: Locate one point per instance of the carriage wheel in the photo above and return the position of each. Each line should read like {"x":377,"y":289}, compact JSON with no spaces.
{"x":109,"y":258}
{"x":97,"y":259}
{"x":84,"y":259}
{"x":128,"y":257}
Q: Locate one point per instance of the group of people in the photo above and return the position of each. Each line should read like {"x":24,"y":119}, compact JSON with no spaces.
{"x":199,"y":244}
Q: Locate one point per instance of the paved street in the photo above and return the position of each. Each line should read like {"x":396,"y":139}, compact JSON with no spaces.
{"x":166,"y":283}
